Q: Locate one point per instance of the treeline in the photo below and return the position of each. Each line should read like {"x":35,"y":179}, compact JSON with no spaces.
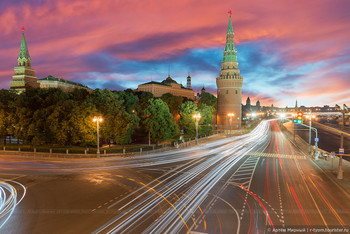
{"x":52,"y":116}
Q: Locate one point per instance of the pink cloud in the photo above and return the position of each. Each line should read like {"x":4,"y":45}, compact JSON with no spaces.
{"x":60,"y":34}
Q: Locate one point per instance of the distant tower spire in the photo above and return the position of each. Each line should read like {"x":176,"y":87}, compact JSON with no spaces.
{"x":229,"y":83}
{"x":189,"y":81}
{"x":296,"y":105}
{"x":23,"y":57}
{"x":24,"y":74}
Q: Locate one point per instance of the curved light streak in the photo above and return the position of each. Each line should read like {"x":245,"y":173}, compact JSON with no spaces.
{"x":9,"y":199}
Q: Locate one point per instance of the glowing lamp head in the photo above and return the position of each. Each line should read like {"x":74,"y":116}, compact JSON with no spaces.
{"x":197,"y":116}
{"x":230,"y":114}
{"x":253,"y":114}
{"x":283,"y":115}
{"x":97,"y":119}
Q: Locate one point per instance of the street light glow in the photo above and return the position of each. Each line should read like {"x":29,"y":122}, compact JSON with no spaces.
{"x":97,"y":118}
{"x":230,"y":114}
{"x":197,"y":116}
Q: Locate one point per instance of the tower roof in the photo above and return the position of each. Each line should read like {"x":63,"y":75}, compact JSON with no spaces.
{"x":23,"y":52}
{"x":230,"y":52}
{"x":229,"y":27}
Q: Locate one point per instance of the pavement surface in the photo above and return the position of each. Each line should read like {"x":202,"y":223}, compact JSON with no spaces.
{"x":255,"y":183}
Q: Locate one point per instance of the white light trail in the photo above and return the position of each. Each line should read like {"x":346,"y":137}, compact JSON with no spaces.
{"x":195,"y":182}
{"x":9,"y":199}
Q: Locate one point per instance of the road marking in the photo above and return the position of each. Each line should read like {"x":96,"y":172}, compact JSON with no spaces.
{"x":307,"y":187}
{"x":229,"y":204}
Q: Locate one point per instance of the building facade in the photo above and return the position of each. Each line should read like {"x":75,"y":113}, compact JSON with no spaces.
{"x":229,"y":85}
{"x":168,"y":86}
{"x":65,"y":85}
{"x":24,"y":73}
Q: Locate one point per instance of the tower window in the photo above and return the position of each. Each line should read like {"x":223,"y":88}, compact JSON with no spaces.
{"x":236,"y":91}
{"x":227,"y":91}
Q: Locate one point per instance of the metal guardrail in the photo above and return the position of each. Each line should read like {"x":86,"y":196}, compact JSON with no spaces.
{"x":91,"y":156}
{"x":332,"y":129}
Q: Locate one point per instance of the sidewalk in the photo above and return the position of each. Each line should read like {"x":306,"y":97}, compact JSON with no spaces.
{"x":330,"y":166}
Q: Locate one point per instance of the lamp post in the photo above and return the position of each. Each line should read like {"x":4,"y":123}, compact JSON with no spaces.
{"x":197,"y":118}
{"x":340,"y":167}
{"x":230,"y":115}
{"x":343,"y":111}
{"x":310,"y":117}
{"x":98,"y":119}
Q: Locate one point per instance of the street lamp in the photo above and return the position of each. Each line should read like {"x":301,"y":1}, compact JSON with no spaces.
{"x":340,"y":167}
{"x":343,"y":111}
{"x":98,"y":119}
{"x":310,"y":117}
{"x":230,"y":115}
{"x":197,"y":118}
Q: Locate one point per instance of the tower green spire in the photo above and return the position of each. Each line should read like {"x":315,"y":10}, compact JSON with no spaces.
{"x":230,"y":52}
{"x":229,"y":27}
{"x":23,"y":52}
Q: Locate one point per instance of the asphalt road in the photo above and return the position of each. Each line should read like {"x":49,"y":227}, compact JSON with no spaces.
{"x":244,"y":184}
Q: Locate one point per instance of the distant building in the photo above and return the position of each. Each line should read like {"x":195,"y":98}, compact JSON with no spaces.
{"x":65,"y":85}
{"x":24,"y":77}
{"x":168,"y":86}
{"x":249,"y":108}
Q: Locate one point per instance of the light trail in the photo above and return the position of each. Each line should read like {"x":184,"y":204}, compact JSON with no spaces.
{"x":196,"y":181}
{"x":9,"y":199}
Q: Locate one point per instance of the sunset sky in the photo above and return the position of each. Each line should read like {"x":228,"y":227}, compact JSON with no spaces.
{"x":287,"y":50}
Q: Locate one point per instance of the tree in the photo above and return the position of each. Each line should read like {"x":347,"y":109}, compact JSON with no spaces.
{"x":173,"y":102}
{"x":158,"y":121}
{"x":129,"y":99}
{"x":7,"y":112}
{"x":72,"y":124}
{"x":144,"y":97}
{"x":119,"y":124}
{"x":187,"y":123}
{"x":206,"y":119}
{"x":209,"y":100}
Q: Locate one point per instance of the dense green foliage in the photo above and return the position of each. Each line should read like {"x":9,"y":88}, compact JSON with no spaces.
{"x":209,"y":100}
{"x":174,"y":102}
{"x":52,"y":116}
{"x":187,"y":122}
{"x":55,"y":117}
{"x":158,"y":121}
{"x":206,"y":119}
